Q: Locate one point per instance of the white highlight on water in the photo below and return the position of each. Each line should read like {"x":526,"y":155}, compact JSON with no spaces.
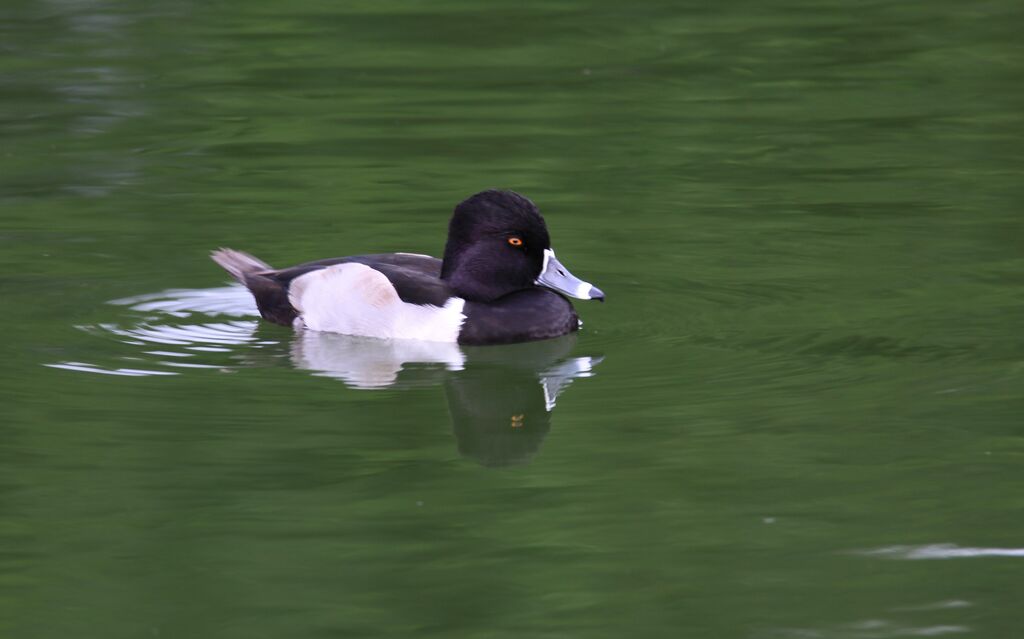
{"x":942,"y":551}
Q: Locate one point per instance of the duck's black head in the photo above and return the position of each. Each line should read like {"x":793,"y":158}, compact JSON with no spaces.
{"x":498,"y":243}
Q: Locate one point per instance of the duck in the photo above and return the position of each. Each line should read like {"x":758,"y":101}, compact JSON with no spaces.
{"x":498,"y":282}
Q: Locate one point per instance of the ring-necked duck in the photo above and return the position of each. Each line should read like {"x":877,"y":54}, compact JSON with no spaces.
{"x":499,"y":282}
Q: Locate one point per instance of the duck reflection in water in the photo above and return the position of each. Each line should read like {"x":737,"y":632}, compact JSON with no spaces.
{"x":500,"y":398}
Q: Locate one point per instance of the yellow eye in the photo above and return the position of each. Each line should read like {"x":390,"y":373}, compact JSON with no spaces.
{"x":515,"y":241}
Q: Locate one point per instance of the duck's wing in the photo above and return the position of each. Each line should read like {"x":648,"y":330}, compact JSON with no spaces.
{"x":416,"y":278}
{"x":424,"y":264}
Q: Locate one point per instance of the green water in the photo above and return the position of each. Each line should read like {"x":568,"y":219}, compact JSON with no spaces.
{"x":798,"y":414}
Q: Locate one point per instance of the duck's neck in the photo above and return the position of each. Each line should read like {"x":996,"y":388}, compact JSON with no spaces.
{"x":449,"y":262}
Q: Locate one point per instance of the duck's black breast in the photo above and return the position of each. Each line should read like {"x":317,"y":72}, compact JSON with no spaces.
{"x":522,"y":316}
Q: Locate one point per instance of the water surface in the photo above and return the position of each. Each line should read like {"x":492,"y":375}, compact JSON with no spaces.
{"x":797,"y":415}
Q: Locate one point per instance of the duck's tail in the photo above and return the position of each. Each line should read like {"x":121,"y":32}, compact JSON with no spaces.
{"x":239,"y":264}
{"x":258,"y":276}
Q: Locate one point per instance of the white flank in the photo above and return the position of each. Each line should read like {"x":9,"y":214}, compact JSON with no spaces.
{"x":354,"y":299}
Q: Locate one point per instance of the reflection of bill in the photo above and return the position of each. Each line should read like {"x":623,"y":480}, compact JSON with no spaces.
{"x":500,"y":397}
{"x":501,"y":406}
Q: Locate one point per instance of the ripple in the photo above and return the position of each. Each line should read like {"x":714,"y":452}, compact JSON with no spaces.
{"x":359,"y":362}
{"x":941,"y":551}
{"x":869,"y":629}
{"x":223,"y":300}
{"x":946,"y":604}
{"x":198,"y":344}
{"x":194,"y":336}
{"x":83,"y":367}
{"x":500,"y":398}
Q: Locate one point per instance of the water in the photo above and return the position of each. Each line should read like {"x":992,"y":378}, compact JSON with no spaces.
{"x":797,"y":415}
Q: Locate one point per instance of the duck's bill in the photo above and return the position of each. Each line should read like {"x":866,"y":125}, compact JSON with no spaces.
{"x":557,"y":277}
